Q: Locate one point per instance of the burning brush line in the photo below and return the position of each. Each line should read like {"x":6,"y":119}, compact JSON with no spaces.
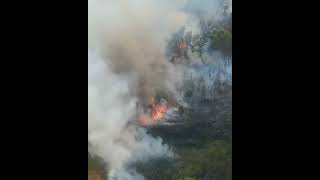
{"x":155,"y":112}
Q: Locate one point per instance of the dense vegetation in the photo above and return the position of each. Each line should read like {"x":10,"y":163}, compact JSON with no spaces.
{"x":214,"y":36}
{"x":203,"y":142}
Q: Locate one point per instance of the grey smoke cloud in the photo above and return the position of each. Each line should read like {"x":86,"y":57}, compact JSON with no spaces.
{"x":126,"y":59}
{"x":126,"y":41}
{"x":132,"y":34}
{"x":110,"y":109}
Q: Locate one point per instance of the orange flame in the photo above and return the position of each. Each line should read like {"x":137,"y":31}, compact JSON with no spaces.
{"x":157,"y":113}
{"x":182,"y":45}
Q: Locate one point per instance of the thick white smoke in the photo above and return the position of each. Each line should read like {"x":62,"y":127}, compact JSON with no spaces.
{"x":126,"y":59}
{"x":130,"y":37}
{"x":110,"y":109}
{"x":134,"y":33}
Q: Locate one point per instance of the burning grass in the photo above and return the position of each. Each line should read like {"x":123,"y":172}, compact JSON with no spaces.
{"x":156,"y":112}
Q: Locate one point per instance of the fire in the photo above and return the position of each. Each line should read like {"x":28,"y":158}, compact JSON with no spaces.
{"x":182,"y":45}
{"x":157,"y":113}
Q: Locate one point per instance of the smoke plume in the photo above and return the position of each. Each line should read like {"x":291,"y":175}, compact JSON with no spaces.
{"x":126,"y":43}
{"x":110,"y":109}
{"x":132,"y":35}
{"x":126,"y":60}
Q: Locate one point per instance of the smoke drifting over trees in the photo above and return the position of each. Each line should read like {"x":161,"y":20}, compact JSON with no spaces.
{"x":110,"y":109}
{"x":128,"y":58}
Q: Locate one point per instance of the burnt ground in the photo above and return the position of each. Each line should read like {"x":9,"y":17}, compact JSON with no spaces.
{"x":201,"y":138}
